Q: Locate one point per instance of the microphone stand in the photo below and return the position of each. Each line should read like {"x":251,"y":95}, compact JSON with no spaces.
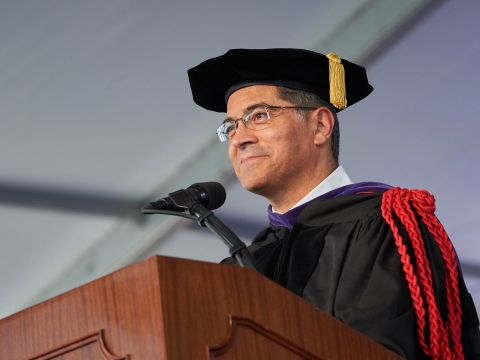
{"x":206,"y":218}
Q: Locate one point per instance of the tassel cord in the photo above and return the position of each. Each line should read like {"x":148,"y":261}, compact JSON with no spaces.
{"x":444,"y":339}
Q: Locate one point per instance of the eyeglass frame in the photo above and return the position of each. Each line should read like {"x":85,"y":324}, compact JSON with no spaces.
{"x":245,"y":119}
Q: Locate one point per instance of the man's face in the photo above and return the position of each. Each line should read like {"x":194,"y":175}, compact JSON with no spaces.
{"x":275,"y":158}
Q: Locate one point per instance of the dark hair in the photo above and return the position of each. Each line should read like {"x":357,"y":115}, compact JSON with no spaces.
{"x":303,"y":98}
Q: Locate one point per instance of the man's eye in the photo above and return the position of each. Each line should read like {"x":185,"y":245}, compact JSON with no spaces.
{"x":259,"y":116}
{"x":229,"y":127}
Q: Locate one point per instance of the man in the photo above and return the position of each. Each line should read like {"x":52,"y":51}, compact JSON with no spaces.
{"x":372,"y":256}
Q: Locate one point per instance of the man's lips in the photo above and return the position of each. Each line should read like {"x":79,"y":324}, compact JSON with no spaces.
{"x":250,"y":158}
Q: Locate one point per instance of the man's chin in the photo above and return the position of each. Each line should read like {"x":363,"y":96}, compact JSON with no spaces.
{"x":256,"y":187}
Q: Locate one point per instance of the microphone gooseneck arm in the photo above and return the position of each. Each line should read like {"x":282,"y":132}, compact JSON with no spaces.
{"x":206,"y":218}
{"x":147,"y":211}
{"x":237,"y":248}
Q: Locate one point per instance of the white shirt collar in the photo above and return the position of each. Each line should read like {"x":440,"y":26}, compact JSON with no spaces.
{"x":336,"y":179}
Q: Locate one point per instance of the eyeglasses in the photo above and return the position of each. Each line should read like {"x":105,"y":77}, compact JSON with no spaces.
{"x":255,"y":120}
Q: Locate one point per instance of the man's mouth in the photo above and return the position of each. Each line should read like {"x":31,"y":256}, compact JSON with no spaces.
{"x":247,"y":159}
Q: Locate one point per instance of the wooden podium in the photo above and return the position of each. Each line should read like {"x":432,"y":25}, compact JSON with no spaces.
{"x":168,"y":308}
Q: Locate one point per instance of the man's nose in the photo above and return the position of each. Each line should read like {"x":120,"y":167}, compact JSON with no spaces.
{"x":243,"y":136}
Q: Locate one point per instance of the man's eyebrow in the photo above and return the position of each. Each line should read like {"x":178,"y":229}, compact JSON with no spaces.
{"x":228,"y":120}
{"x":247,"y":110}
{"x":254,"y":106}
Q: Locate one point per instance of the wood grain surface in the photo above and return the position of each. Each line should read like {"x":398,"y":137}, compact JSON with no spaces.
{"x":167,"y":308}
{"x":125,"y":304}
{"x":246,"y":337}
{"x":200,"y":291}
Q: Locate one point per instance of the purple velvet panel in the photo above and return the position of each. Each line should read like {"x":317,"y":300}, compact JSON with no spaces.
{"x":289,"y":219}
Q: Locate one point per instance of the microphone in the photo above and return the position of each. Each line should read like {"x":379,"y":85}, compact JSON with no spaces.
{"x":211,"y":195}
{"x":195,"y":203}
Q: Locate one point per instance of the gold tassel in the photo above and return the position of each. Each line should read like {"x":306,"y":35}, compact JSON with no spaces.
{"x":338,"y":97}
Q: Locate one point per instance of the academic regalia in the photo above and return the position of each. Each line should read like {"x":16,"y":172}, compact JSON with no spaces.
{"x":214,"y":80}
{"x":338,"y":253}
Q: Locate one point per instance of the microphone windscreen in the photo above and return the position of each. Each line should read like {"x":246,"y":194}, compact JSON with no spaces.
{"x":215,"y":192}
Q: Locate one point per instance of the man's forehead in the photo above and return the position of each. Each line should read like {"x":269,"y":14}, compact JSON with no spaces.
{"x":243,"y":99}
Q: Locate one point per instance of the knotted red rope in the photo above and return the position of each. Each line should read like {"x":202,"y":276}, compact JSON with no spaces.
{"x":444,"y":341}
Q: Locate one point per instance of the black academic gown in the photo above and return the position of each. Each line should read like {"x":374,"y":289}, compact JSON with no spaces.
{"x":341,"y":257}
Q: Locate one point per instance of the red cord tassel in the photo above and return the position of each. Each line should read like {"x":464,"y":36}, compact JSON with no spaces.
{"x":444,"y":341}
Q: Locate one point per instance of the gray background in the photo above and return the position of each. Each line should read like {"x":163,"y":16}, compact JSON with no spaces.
{"x":96,"y":119}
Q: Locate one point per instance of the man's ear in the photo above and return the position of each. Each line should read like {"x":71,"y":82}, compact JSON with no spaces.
{"x":324,"y":121}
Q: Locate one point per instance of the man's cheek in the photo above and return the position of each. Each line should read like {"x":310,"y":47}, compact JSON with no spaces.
{"x":232,"y":156}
